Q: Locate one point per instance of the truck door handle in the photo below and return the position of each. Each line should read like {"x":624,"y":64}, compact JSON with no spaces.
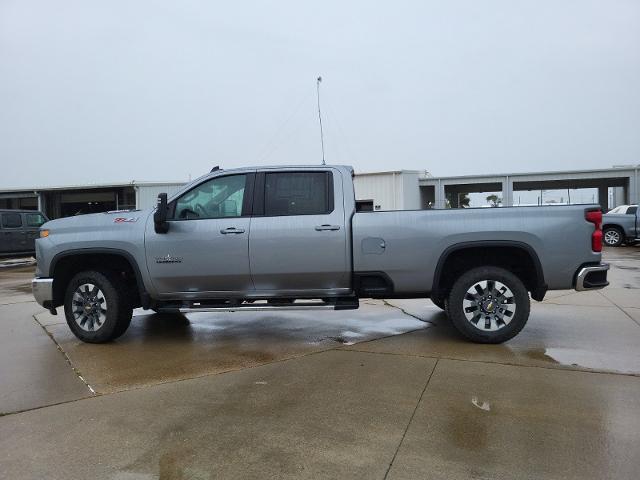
{"x":321,"y":228}
{"x":227,"y":231}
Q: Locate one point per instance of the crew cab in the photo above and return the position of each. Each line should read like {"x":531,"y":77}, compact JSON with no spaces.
{"x":19,"y":231}
{"x":290,"y":237}
{"x":620,"y":225}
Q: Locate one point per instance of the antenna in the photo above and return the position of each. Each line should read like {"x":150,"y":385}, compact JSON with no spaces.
{"x":320,"y":118}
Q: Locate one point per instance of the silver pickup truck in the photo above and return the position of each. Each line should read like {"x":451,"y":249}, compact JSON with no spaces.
{"x":290,"y":237}
{"x":620,"y":225}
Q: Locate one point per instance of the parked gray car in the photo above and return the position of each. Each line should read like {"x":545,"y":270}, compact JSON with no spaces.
{"x":18,"y":231}
{"x":620,"y":225}
{"x":290,"y":237}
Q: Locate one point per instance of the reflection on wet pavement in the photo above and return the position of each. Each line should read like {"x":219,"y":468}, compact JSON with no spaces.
{"x":536,"y":423}
{"x":15,"y":283}
{"x":161,"y":347}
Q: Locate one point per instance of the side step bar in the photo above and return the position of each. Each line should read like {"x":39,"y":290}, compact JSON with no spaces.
{"x":340,"y":304}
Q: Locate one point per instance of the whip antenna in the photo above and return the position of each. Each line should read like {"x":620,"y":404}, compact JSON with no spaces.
{"x":320,"y":117}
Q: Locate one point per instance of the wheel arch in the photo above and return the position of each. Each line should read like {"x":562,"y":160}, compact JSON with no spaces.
{"x":612,"y":225}
{"x":461,"y":257}
{"x":65,"y":265}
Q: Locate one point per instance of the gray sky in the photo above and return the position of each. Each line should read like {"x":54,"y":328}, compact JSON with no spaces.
{"x":149,"y":90}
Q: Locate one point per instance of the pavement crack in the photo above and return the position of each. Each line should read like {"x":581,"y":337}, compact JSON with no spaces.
{"x":406,"y":313}
{"x":404,"y":434}
{"x":618,"y":307}
{"x":66,"y":357}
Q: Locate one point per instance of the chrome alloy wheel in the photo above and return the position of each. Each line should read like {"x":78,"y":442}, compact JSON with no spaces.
{"x":89,"y":307}
{"x":489,"y":305}
{"x":612,"y":237}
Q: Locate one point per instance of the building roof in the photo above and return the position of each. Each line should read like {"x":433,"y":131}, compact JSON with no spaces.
{"x":86,"y":186}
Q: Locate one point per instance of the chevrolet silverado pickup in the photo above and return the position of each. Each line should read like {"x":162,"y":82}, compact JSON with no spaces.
{"x":620,"y":225}
{"x":290,"y":237}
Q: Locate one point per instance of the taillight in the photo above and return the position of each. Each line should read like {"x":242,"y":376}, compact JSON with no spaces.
{"x":595,"y":217}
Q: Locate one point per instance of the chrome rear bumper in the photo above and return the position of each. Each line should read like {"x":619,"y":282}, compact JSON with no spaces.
{"x":43,"y":291}
{"x":592,"y":277}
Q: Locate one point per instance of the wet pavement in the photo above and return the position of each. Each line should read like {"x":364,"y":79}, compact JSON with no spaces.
{"x":160,"y":348}
{"x":387,"y":391}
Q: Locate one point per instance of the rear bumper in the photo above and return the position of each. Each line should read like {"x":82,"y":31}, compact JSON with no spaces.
{"x":43,"y":291}
{"x":592,"y":277}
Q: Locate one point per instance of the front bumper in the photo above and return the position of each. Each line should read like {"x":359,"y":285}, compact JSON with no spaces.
{"x":43,"y":291}
{"x":592,"y":277}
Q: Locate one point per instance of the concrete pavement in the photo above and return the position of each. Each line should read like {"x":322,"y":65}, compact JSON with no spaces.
{"x":388,"y":391}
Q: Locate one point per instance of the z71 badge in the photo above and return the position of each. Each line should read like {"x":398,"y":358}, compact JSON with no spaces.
{"x":125,"y":219}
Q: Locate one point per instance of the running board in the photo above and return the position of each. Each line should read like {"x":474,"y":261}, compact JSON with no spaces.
{"x":350,"y":304}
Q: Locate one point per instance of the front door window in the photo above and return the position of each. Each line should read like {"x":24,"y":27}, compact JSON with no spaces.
{"x":221,"y":197}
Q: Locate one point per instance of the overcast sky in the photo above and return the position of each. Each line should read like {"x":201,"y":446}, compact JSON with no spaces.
{"x":120,"y":90}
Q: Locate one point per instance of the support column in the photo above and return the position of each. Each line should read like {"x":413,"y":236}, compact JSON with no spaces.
{"x":41,"y":205}
{"x":440,"y":198}
{"x":507,"y":192}
{"x":634,"y":188}
{"x":603,"y":198}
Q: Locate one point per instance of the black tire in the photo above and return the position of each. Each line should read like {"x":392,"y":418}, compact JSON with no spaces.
{"x":438,"y":301}
{"x":612,"y":237}
{"x":491,"y":322}
{"x":103,"y":324}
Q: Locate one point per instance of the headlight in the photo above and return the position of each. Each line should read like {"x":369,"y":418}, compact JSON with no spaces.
{"x":44,"y":233}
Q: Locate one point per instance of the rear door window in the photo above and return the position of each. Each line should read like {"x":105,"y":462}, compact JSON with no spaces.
{"x":298,"y":193}
{"x":11,"y":220}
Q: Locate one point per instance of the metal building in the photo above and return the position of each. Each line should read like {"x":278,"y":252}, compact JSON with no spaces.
{"x":623,"y":180}
{"x":375,"y":191}
{"x":394,"y":190}
{"x":66,"y":201}
{"x":409,"y":190}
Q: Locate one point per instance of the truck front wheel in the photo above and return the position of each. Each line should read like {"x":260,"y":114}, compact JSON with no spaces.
{"x":97,"y":307}
{"x":488,"y":305}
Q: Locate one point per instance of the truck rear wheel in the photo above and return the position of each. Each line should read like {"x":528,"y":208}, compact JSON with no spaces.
{"x":97,"y":307}
{"x":488,"y":305}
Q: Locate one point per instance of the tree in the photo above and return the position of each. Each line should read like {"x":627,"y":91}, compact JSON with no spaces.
{"x":464,"y":200}
{"x":494,"y":200}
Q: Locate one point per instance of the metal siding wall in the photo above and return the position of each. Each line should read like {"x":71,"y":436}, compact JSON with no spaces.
{"x":148,"y":194}
{"x":379,"y":188}
{"x":411,"y":198}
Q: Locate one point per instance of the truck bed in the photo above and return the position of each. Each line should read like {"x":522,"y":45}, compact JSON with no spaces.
{"x":415,"y":241}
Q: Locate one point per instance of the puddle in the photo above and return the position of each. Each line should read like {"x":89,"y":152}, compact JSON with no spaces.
{"x":540,"y":354}
{"x":22,"y":288}
{"x":594,"y":360}
{"x":16,"y":263}
{"x":627,"y":267}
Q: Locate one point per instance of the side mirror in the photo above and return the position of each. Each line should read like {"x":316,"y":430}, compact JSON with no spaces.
{"x":160,"y":217}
